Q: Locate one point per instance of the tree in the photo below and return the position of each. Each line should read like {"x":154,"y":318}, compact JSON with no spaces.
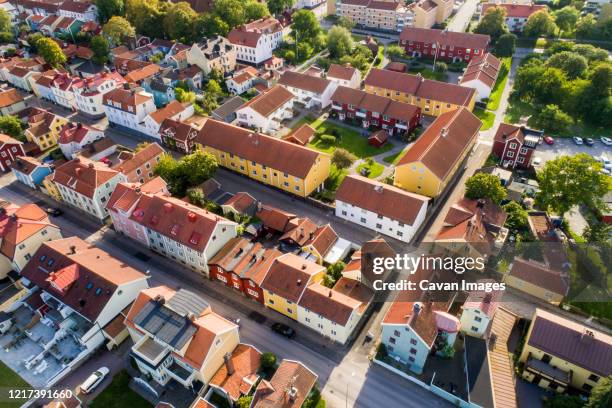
{"x":334,"y":272}
{"x":539,"y":24}
{"x":6,"y":35}
{"x":147,"y":16}
{"x":230,"y":11}
{"x":553,"y":119}
{"x":109,"y":8}
{"x":12,"y":126}
{"x":305,"y":26}
{"x":141,"y":146}
{"x":100,"y":47}
{"x":493,"y":23}
{"x":267,"y":361}
{"x":184,"y":96}
{"x":196,"y":196}
{"x":590,"y":52}
{"x":342,"y":158}
{"x":278,"y":6}
{"x":483,"y":185}
{"x":517,"y":220}
{"x":118,"y":29}
{"x":345,"y":22}
{"x":339,"y":42}
{"x":564,"y":401}
{"x":178,"y":22}
{"x":50,"y":52}
{"x":209,"y":25}
{"x":32,"y":39}
{"x":597,"y":232}
{"x":244,"y":401}
{"x":441,"y":66}
{"x":566,"y":18}
{"x":505,"y":45}
{"x":571,"y":180}
{"x":601,"y":395}
{"x":188,"y":171}
{"x":396,"y":52}
{"x":255,"y":10}
{"x":586,"y":26}
{"x":573,"y":64}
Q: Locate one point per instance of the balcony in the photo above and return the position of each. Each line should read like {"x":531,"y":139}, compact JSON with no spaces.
{"x":549,"y":372}
{"x":180,"y":373}
{"x":149,"y":351}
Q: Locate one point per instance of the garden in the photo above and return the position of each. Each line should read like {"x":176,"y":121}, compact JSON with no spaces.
{"x":118,"y":394}
{"x":331,"y":136}
{"x":10,"y":380}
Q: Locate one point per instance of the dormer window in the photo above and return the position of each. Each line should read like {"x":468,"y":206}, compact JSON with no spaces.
{"x":175,"y":229}
{"x":89,"y":286}
{"x":51,"y":262}
{"x":42,"y":258}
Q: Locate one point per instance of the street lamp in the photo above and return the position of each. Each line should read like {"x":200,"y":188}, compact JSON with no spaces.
{"x":347,"y":387}
{"x":436,"y":55}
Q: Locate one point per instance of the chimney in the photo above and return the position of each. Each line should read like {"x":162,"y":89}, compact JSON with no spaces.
{"x":79,"y":125}
{"x":78,"y":171}
{"x":416,"y":308}
{"x":229,"y":364}
{"x":293,"y":392}
{"x":72,"y":250}
{"x":488,"y":298}
{"x":443,"y":132}
{"x":126,"y":86}
{"x":329,"y":294}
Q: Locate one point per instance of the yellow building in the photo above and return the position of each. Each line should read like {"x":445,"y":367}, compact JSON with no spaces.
{"x":432,"y":161}
{"x":48,"y":186}
{"x":295,"y":169}
{"x":538,"y":280}
{"x":561,"y":353}
{"x":44,"y":128}
{"x":286,"y":280}
{"x":433,"y":97}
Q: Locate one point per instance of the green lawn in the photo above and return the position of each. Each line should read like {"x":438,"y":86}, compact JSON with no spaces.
{"x":485,"y":117}
{"x":348,"y":139}
{"x":335,"y":178}
{"x":10,"y":380}
{"x":429,"y":73}
{"x":394,"y":158}
{"x":119,"y":395}
{"x":376,"y":169}
{"x":500,"y":84}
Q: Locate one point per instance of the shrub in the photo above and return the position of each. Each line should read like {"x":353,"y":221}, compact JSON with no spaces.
{"x":328,"y":139}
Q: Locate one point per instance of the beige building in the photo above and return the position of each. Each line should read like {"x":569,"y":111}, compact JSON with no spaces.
{"x":214,"y":53}
{"x":430,"y":12}
{"x":379,"y":14}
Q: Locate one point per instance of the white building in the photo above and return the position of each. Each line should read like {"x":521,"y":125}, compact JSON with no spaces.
{"x":516,"y":14}
{"x":74,"y":136}
{"x":174,"y":110}
{"x":88,"y":92}
{"x":478,"y":311}
{"x":127,"y":107}
{"x":344,"y":75}
{"x":61,"y":86}
{"x":481,"y":74}
{"x":87,"y":185}
{"x":214,"y":53}
{"x":256,"y":40}
{"x":79,"y":10}
{"x":20,"y":77}
{"x":381,"y":207}
{"x":266,"y":111}
{"x":41,"y":85}
{"x":310,"y":91}
{"x":241,"y":81}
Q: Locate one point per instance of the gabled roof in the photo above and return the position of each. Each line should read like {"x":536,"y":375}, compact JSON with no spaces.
{"x":375,"y":103}
{"x":26,"y":164}
{"x":126,"y":98}
{"x":303,"y":81}
{"x":270,"y":101}
{"x":322,"y":239}
{"x":83,"y":175}
{"x":540,"y":275}
{"x":300,"y":231}
{"x":344,"y":72}
{"x":9,"y":97}
{"x":181,"y":131}
{"x":74,"y":133}
{"x":6,"y":139}
{"x":486,"y":302}
{"x":139,"y":74}
{"x":248,"y":34}
{"x":290,"y":377}
{"x":245,"y":360}
{"x":506,"y":131}
{"x":75,"y":6}
{"x":168,"y":112}
{"x":485,"y":69}
{"x":445,"y":38}
{"x":329,"y":303}
{"x":301,"y":135}
{"x":514,"y":10}
{"x":274,"y":218}
{"x":289,"y":275}
{"x":17,"y":224}
{"x":148,"y":154}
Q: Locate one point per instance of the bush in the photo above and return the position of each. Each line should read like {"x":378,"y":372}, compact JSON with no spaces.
{"x":381,"y":352}
{"x":441,"y":67}
{"x":328,"y":139}
{"x":268,"y":361}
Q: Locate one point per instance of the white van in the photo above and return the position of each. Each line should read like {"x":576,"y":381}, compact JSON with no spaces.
{"x":94,"y":379}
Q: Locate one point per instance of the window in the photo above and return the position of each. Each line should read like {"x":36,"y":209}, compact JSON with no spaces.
{"x":593,"y":378}
{"x":474,"y":329}
{"x":363,"y":220}
{"x":587,"y":387}
{"x":510,"y":154}
{"x":546,"y":358}
{"x":478,"y":319}
{"x":513,"y":145}
{"x":400,"y":234}
{"x":413,"y":342}
{"x":396,"y":333}
{"x":21,"y":246}
{"x":379,"y":226}
{"x":343,"y":212}
{"x":392,"y":340}
{"x":413,"y":350}
{"x":411,"y":359}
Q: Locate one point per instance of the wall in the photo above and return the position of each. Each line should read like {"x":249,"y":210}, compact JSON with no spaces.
{"x":402,"y":346}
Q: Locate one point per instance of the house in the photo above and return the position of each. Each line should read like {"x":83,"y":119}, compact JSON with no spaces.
{"x":22,"y":231}
{"x":151,"y":124}
{"x":78,"y":290}
{"x":44,"y":128}
{"x":239,"y":373}
{"x":139,"y":166}
{"x":376,"y":14}
{"x":242,"y":265}
{"x":227,"y":111}
{"x":88,"y":92}
{"x":140,"y":74}
{"x":82,"y":11}
{"x":380,"y":207}
{"x":379,"y":112}
{"x":430,"y":12}
{"x":169,"y":226}
{"x":87,"y":185}
{"x":478,"y":311}
{"x":255,"y":41}
{"x":41,"y":84}
{"x":213,"y":53}
{"x":516,"y":14}
{"x":67,"y":27}
{"x":281,"y":164}
{"x":161,"y":89}
{"x":9,"y":150}
{"x":514,"y":145}
{"x":433,"y":97}
{"x":11,"y":102}
{"x":103,"y":150}
{"x":127,"y":107}
{"x":275,"y":220}
{"x":481,"y":74}
{"x":21,"y":77}
{"x":30,"y":171}
{"x":178,"y":337}
{"x":318,"y":243}
{"x":178,"y":135}
{"x":302,"y":135}
{"x":242,"y":80}
{"x":443,"y":44}
{"x":241,"y":203}
{"x":310,"y":91}
{"x":538,"y":279}
{"x":286,"y":281}
{"x":73,"y":137}
{"x":289,"y":387}
{"x":360,"y":268}
{"x":451,"y":137}
{"x":61,"y":86}
{"x":560,"y":354}
{"x":344,"y":75}
{"x":266,"y":111}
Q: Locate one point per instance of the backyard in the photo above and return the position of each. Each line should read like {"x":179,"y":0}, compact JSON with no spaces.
{"x":370,"y":168}
{"x":500,"y":84}
{"x":10,"y":380}
{"x":485,"y":117}
{"x":345,"y":138}
{"x":119,"y":395}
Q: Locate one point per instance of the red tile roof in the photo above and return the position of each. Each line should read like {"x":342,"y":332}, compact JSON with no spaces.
{"x":301,"y":135}
{"x":9,"y":97}
{"x":245,"y":362}
{"x":540,"y":275}
{"x":126,"y":98}
{"x":445,"y":38}
{"x":274,"y":218}
{"x":344,"y":72}
{"x":375,"y":103}
{"x":248,"y":35}
{"x":515,"y":10}
{"x":149,"y":154}
{"x":83,"y":175}
{"x":290,"y":376}
{"x":269,"y":101}
{"x":329,"y":303}
{"x":289,"y":275}
{"x":303,"y":81}
{"x":17,"y":224}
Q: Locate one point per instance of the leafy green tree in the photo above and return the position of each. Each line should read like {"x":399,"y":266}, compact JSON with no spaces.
{"x":517,"y":220}
{"x":574,"y":65}
{"x":12,"y":126}
{"x":483,"y":185}
{"x":178,"y":22}
{"x":267,"y":361}
{"x":586,"y":26}
{"x":230,"y":11}
{"x":118,"y":29}
{"x":564,"y":401}
{"x":147,"y":16}
{"x":255,"y":10}
{"x":597,"y":232}
{"x":109,"y":8}
{"x":32,"y":39}
{"x":209,"y":25}
{"x":184,"y":96}
{"x":305,"y":26}
{"x":590,"y":52}
{"x":552,"y":119}
{"x":566,"y":18}
{"x":6,"y":37}
{"x":5,"y":21}
{"x":493,"y":23}
{"x":140,"y":146}
{"x":571,"y":180}
{"x":244,"y":401}
{"x":539,"y":24}
{"x":278,"y":6}
{"x":441,"y":66}
{"x":189,"y":171}
{"x":559,"y":46}
{"x":334,"y":271}
{"x":342,"y":158}
{"x":601,"y":394}
{"x":396,"y":52}
{"x":50,"y":52}
{"x":505,"y":45}
{"x":339,"y":42}
{"x":101,"y":48}
{"x":345,"y":22}
{"x":196,"y":196}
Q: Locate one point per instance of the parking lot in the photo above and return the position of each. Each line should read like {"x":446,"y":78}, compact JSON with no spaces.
{"x":566,"y":146}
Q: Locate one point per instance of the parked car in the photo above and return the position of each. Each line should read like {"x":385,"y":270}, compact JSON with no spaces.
{"x":536,"y":161}
{"x":606,"y":140}
{"x":577,"y":140}
{"x":588,"y":141}
{"x":56,"y":212}
{"x":549,"y":140}
{"x":607,"y":164}
{"x":284,"y":330}
{"x":94,"y":380}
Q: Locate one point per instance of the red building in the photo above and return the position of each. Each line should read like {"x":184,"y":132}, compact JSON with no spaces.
{"x":514,"y":145}
{"x":243,"y":265}
{"x":444,"y":45}
{"x":9,"y":150}
{"x":375,"y":111}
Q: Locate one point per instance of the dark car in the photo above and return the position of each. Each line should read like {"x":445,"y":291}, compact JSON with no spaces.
{"x":56,"y":212}
{"x":284,"y":330}
{"x":588,"y":141}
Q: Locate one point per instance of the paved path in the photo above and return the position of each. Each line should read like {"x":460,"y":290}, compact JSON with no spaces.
{"x":463,"y":16}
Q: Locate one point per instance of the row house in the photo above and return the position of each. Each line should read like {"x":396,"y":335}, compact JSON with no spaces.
{"x":22,"y":231}
{"x":248,"y":77}
{"x":79,"y":10}
{"x":11,"y":101}
{"x":380,"y":207}
{"x":452,"y":136}
{"x":213,"y":53}
{"x":169,"y":226}
{"x":162,"y":91}
{"x":28,"y":64}
{"x":266,"y":111}
{"x":21,"y":77}
{"x":516,"y":14}
{"x":139,"y":166}
{"x":88,"y":92}
{"x":189,"y":346}
{"x":41,"y":84}
{"x":74,"y":137}
{"x":375,"y":111}
{"x":175,"y":110}
{"x":430,"y":12}
{"x":317,"y":243}
{"x":63,"y":94}
{"x":87,"y":185}
{"x":514,"y":145}
{"x":443,"y":44}
{"x":178,"y":135}
{"x":43,"y":128}
{"x":311,"y":91}
{"x":281,"y":164}
{"x":127,"y":107}
{"x":481,"y":74}
{"x":30,"y":171}
{"x":10,"y":149}
{"x":255,"y":41}
{"x":433,"y":97}
{"x":377,"y":14}
{"x":344,"y":75}
{"x":38,"y":7}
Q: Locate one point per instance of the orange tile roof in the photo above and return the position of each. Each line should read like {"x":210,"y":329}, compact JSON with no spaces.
{"x":168,"y":111}
{"x":332,"y":305}
{"x":245,"y":360}
{"x":502,"y":367}
{"x":289,"y":275}
{"x":268,"y":102}
{"x":344,"y":72}
{"x":9,"y":97}
{"x":83,"y":175}
{"x":17,"y":224}
{"x":290,"y":376}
